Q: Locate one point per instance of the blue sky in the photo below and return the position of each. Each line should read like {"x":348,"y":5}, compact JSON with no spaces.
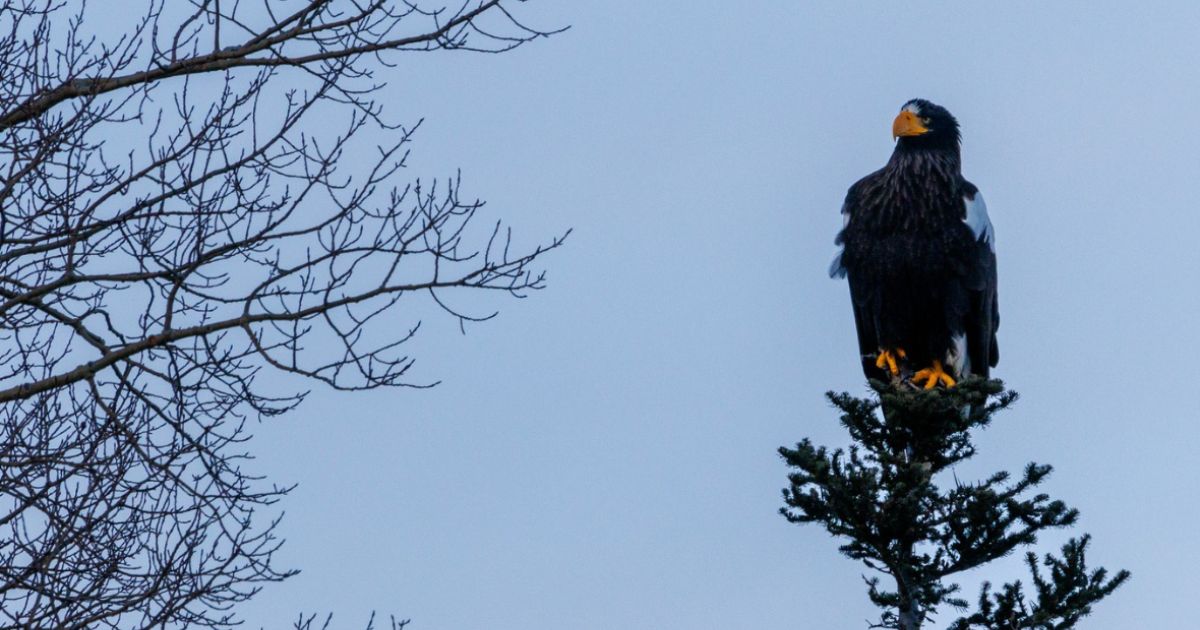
{"x":602,"y":455}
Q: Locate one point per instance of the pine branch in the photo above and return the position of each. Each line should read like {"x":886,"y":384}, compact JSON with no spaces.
{"x":1063,"y":598}
{"x":881,"y":498}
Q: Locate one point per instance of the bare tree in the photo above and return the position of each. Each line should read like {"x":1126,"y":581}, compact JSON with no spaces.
{"x":308,"y":622}
{"x":173,"y":221}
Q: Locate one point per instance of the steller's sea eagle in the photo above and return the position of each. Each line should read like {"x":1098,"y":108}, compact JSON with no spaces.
{"x":919,"y":252}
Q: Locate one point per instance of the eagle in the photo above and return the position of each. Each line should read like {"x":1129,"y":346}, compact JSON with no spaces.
{"x":919,"y":253}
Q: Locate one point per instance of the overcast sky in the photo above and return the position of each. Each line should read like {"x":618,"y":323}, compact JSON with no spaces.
{"x":602,"y":455}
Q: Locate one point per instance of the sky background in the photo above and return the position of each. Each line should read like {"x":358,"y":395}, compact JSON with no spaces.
{"x":602,"y":455}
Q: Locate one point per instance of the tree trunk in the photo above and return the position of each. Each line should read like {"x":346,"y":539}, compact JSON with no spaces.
{"x":909,"y":619}
{"x":909,"y":613}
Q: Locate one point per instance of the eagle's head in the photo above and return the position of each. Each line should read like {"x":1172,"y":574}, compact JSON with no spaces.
{"x":922,"y":124}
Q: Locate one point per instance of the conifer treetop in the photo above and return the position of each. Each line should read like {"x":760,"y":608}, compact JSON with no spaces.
{"x":881,"y":497}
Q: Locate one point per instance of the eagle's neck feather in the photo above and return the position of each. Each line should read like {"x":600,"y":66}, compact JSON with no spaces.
{"x":945,"y":162}
{"x":920,"y":189}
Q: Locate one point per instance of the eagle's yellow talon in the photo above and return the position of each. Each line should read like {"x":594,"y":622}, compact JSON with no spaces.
{"x":888,"y":358}
{"x":934,"y":375}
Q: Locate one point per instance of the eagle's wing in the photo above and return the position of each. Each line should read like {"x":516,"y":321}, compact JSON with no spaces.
{"x":864,"y":324}
{"x":983,"y":315}
{"x":836,"y":268}
{"x":864,"y":321}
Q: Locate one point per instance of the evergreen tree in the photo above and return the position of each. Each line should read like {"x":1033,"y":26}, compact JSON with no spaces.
{"x":882,"y":498}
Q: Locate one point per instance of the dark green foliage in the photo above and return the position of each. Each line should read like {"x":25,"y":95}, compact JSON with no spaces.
{"x":1063,"y":597}
{"x":881,"y":498}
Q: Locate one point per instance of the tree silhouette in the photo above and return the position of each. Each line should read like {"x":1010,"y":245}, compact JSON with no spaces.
{"x":882,"y":497}
{"x":174,"y":219}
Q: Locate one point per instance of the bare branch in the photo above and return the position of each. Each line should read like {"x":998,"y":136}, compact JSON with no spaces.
{"x":176,"y":217}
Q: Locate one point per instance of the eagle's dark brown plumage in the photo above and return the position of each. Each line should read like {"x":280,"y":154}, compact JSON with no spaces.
{"x":919,"y":252}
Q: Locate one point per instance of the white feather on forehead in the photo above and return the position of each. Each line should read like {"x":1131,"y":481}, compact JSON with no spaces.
{"x":912,"y":108}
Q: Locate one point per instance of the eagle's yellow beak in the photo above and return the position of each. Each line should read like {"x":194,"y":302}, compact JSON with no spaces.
{"x":907,"y":124}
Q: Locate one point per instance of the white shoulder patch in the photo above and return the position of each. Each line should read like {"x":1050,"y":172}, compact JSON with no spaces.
{"x":836,"y":270}
{"x":977,"y":219}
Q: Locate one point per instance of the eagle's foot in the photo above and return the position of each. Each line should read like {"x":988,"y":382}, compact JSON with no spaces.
{"x":934,"y":375}
{"x":889,"y":360}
